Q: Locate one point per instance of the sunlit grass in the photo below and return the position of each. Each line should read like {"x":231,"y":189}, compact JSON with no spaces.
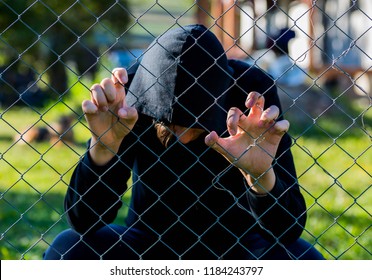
{"x":336,"y":181}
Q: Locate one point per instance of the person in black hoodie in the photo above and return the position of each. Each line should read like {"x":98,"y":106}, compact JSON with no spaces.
{"x":205,"y":145}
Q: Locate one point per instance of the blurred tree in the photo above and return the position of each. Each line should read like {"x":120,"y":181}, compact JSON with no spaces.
{"x":43,"y":36}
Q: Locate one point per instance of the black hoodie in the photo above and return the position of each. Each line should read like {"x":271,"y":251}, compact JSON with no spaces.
{"x":188,"y":196}
{"x":183,"y":78}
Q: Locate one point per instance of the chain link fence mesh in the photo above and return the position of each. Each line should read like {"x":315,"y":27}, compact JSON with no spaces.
{"x":52,"y":52}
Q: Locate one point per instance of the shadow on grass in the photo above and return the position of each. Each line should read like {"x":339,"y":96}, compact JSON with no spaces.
{"x":29,"y":223}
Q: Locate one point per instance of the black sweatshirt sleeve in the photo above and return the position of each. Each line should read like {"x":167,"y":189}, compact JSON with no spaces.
{"x":94,"y":195}
{"x":281,"y":213}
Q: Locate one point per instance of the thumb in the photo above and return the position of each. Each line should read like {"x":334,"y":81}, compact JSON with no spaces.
{"x":211,"y":139}
{"x":216,"y":143}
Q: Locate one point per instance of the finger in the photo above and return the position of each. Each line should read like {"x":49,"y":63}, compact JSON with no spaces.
{"x":218,"y":144}
{"x":256,"y":103}
{"x":98,"y":97}
{"x":109,"y":90}
{"x":281,"y":127}
{"x":269,"y":116}
{"x":130,"y":114}
{"x":120,"y":78}
{"x":233,"y":118}
{"x":211,"y":139}
{"x":254,"y":99}
{"x":119,"y":75}
{"x":89,"y":107}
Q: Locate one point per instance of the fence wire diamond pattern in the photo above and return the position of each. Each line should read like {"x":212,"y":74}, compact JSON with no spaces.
{"x":52,"y":52}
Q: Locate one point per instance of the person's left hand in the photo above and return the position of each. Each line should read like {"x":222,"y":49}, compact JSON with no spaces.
{"x":253,"y":141}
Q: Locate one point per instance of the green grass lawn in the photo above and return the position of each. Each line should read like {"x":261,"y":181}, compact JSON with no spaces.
{"x":337,"y":188}
{"x":335,"y":176}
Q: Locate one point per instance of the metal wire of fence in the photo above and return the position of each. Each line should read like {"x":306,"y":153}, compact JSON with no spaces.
{"x":51,"y":54}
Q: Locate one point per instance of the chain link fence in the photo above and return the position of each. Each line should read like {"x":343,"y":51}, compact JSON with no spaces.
{"x":317,"y":52}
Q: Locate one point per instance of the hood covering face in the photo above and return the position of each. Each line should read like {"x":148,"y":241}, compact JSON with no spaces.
{"x":182,"y":79}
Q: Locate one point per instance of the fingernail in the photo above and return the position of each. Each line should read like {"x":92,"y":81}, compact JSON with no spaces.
{"x":207,"y":140}
{"x":232,"y":132}
{"x":124,"y":79}
{"x":123,"y":113}
{"x":250,"y":103}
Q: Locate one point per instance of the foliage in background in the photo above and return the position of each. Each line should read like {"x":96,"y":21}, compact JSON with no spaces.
{"x":40,"y":38}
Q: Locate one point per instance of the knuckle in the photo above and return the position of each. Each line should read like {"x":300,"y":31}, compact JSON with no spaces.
{"x":95,"y":87}
{"x":120,"y":74}
{"x":233,"y":110}
{"x":106,"y":82}
{"x":119,"y":70}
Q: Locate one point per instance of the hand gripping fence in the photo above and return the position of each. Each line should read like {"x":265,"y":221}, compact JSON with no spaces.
{"x":317,"y":53}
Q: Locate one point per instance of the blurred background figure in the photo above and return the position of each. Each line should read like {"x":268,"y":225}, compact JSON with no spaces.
{"x":284,"y":69}
{"x":57,"y":132}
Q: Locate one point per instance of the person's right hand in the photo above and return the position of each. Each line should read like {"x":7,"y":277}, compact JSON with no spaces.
{"x":109,"y":118}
